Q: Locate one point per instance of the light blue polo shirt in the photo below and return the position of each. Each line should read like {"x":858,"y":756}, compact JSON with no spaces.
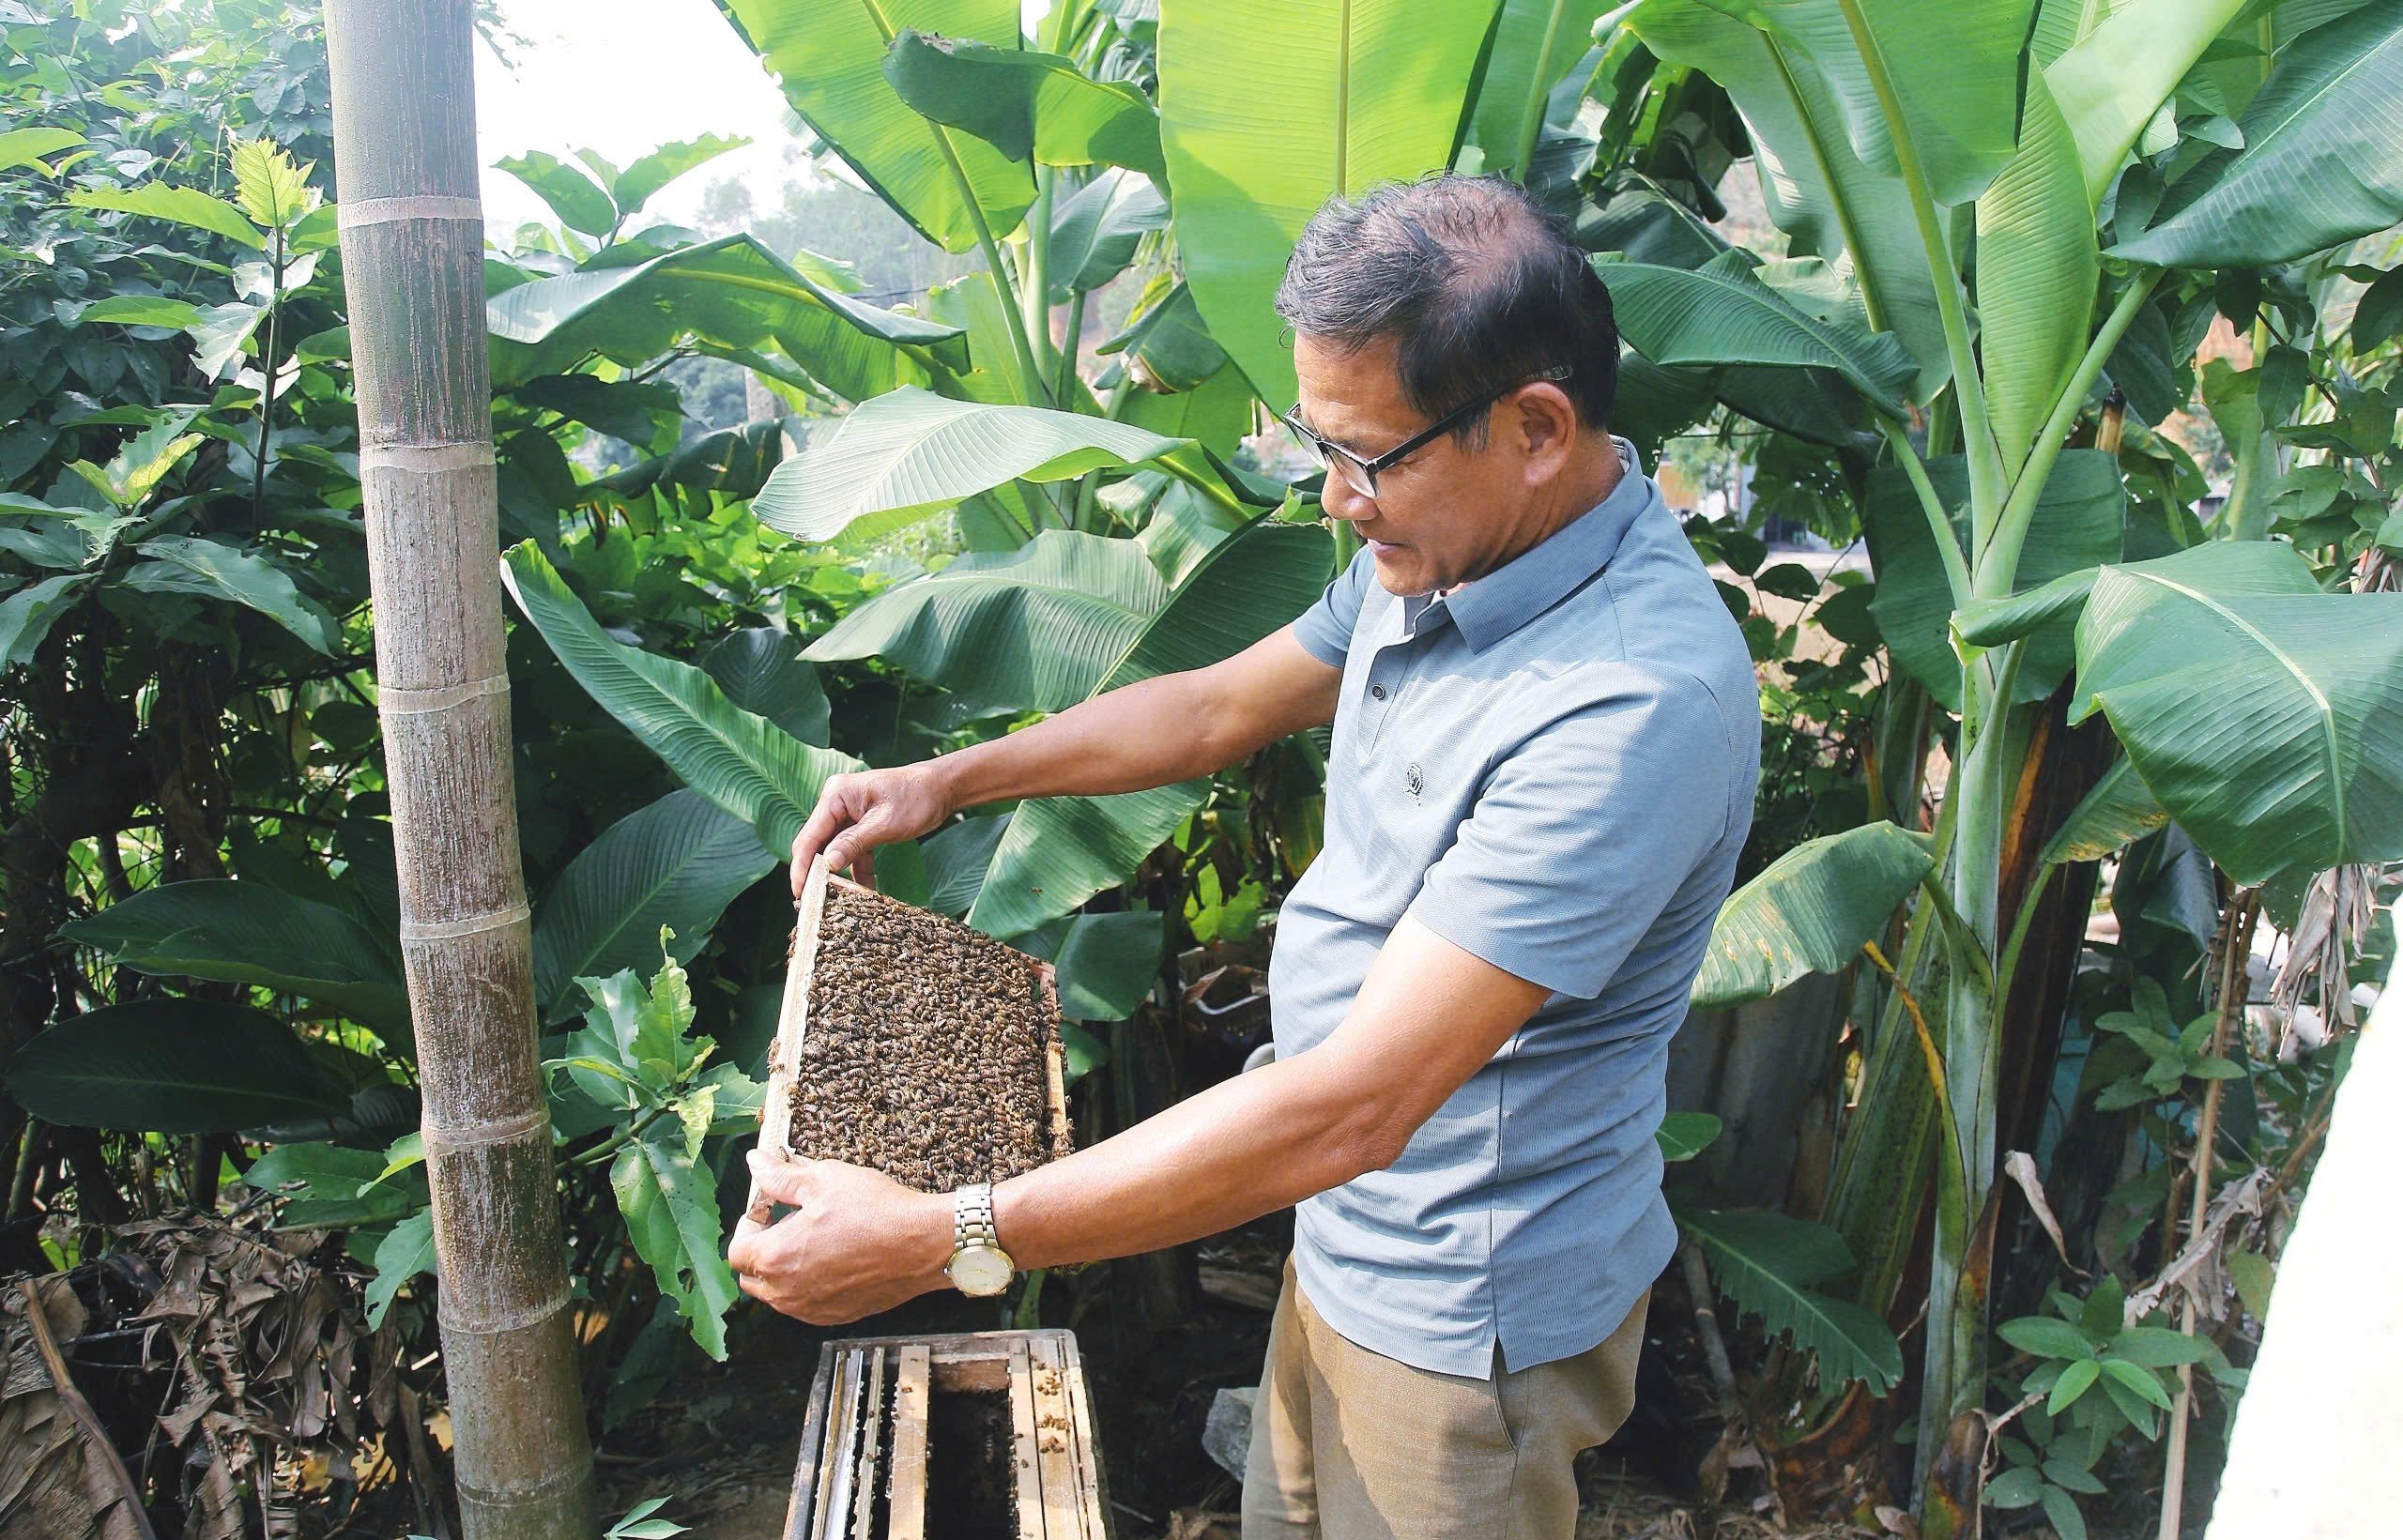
{"x":1551,"y":768}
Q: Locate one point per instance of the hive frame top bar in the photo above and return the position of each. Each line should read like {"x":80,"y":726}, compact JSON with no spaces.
{"x":792,"y":1027}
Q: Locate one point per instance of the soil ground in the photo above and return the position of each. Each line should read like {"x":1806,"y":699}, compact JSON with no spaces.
{"x":721,"y":1441}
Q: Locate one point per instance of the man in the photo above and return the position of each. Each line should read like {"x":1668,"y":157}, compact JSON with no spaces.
{"x":1546,"y":738}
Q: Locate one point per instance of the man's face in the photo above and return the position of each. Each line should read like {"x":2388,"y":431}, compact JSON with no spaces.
{"x":1442,"y":516}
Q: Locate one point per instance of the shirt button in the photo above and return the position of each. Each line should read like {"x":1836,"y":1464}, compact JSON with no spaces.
{"x":1378,"y":691}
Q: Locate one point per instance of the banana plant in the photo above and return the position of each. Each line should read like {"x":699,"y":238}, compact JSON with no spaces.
{"x":1883,"y":127}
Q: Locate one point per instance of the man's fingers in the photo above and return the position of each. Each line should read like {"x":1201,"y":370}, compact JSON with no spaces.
{"x":786,"y":1181}
{"x":836,"y":810}
{"x":864,"y":867}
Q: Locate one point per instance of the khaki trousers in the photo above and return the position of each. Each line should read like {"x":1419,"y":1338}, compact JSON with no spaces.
{"x":1349,"y":1444}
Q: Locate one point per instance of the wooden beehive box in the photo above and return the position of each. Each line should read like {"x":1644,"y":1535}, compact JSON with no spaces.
{"x":986,"y":1435}
{"x":910,"y":1043}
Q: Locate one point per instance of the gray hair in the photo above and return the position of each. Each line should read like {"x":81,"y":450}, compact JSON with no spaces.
{"x":1479,"y":289}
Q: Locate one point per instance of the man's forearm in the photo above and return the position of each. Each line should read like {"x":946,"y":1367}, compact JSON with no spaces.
{"x":1241,"y":1149}
{"x":1148,"y":734}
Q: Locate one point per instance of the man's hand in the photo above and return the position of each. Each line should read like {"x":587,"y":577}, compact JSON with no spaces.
{"x":860,"y":1243}
{"x":857,"y":813}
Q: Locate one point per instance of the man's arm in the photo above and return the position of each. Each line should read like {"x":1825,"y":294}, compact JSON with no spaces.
{"x":1148,"y":734}
{"x":1428,"y":1016}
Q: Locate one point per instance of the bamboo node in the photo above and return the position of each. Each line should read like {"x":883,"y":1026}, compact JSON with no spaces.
{"x":519,"y":913}
{"x":532,"y":1492}
{"x":366,"y":211}
{"x":449,"y":1136}
{"x":426,"y":459}
{"x":501,"y":1325}
{"x":399,"y":700}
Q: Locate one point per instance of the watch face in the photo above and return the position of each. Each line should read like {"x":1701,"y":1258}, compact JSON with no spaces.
{"x":980,"y":1271}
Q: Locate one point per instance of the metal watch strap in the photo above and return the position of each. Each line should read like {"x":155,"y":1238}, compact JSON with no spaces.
{"x":971,"y":1218}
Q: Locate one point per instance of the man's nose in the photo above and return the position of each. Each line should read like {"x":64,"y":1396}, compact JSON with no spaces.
{"x":1342,"y":500}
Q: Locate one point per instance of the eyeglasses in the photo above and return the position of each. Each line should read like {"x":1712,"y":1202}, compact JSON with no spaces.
{"x":1361,"y":475}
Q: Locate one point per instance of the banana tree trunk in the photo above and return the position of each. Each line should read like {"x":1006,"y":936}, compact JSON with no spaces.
{"x":412,"y":249}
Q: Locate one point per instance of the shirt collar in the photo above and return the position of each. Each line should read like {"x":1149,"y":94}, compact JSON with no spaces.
{"x":1534,"y":580}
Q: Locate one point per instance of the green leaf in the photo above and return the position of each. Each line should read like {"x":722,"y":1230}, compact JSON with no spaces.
{"x":742,"y":762}
{"x":670,"y":1208}
{"x":2046,"y":1337}
{"x":1267,"y":108}
{"x":1723,"y":313}
{"x":1810,"y":911}
{"x":2266,"y":715}
{"x":760,"y":670}
{"x":243,"y":932}
{"x":2378,"y":313}
{"x":140,"y":310}
{"x":2109,"y":83}
{"x":1031,"y":629}
{"x":1954,"y":72}
{"x":2253,"y":1276}
{"x":2074,"y":1381}
{"x":731,"y":292}
{"x":138,"y":468}
{"x":2061,"y":1509}
{"x":1107,"y":963}
{"x":1816,"y":188}
{"x":956,"y":857}
{"x":168,"y":1065}
{"x":646,"y":1028}
{"x":213,"y":569}
{"x":2119,"y":811}
{"x":1095,"y":232}
{"x":1081,"y":1052}
{"x":28,"y":615}
{"x":1535,"y":43}
{"x":572,"y":195}
{"x":2139,"y":1381}
{"x":829,"y":57}
{"x":2323,"y":160}
{"x":1176,"y":349}
{"x":1765,"y":1261}
{"x":1682,"y":1135}
{"x":1027,"y":105}
{"x":321,"y":1171}
{"x":2075,"y":1478}
{"x":219,"y":334}
{"x":2077,"y":525}
{"x":29,"y":147}
{"x":910,"y":453}
{"x":645,"y":177}
{"x":2037,"y":268}
{"x":2014,"y":1488}
{"x":973,"y":303}
{"x":676,"y":863}
{"x":1057,"y":852}
{"x":177,"y":204}
{"x":2157,"y":1348}
{"x":406,"y":1251}
{"x":272,"y":189}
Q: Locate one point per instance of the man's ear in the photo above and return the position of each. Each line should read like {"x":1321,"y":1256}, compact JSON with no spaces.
{"x":1545,"y":422}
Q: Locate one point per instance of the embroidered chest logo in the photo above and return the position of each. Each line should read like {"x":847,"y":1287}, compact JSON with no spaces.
{"x":1413,"y":781}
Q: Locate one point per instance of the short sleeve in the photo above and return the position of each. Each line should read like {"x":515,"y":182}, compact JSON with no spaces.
{"x":1325,"y":629}
{"x":1579,"y":838}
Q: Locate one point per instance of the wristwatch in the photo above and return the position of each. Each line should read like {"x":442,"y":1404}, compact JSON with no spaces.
{"x":978,"y":1265}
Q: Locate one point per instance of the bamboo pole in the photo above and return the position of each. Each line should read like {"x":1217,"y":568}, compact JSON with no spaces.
{"x":412,"y":249}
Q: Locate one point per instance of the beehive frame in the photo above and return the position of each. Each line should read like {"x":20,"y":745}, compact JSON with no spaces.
{"x":792,"y":1027}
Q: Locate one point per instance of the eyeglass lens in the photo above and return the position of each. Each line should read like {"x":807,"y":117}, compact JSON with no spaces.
{"x":1336,"y":462}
